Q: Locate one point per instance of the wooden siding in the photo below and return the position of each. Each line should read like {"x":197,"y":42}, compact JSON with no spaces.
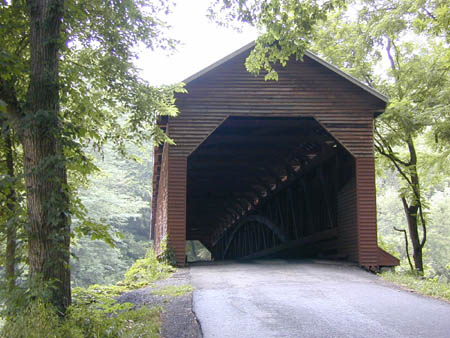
{"x":177,"y":206}
{"x":367,"y":211}
{"x":386,"y":259}
{"x":347,"y":220}
{"x":304,"y":89}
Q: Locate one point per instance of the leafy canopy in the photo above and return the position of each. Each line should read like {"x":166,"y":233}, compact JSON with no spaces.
{"x":285,"y":27}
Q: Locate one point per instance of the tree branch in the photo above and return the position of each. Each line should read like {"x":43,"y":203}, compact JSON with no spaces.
{"x":391,"y":59}
{"x":394,"y":162}
{"x":394,"y":67}
{"x":386,"y":144}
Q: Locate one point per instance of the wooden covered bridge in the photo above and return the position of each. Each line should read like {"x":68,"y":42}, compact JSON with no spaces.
{"x":269,"y":167}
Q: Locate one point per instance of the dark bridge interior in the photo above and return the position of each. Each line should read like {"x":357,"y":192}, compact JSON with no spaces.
{"x":270,"y":185}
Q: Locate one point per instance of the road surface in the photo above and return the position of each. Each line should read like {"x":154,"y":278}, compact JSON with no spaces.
{"x":278,"y":298}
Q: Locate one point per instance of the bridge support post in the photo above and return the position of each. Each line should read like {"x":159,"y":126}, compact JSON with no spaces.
{"x":176,"y":207}
{"x":366,"y":212}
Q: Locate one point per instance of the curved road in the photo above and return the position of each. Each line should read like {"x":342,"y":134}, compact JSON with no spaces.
{"x":277,"y":298}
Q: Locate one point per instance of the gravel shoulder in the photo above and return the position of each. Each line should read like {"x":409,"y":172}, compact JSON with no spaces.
{"x":178,"y":319}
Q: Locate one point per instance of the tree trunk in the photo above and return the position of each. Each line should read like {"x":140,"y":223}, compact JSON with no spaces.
{"x":414,"y":235}
{"x":44,"y":162}
{"x":412,"y":211}
{"x":11,"y":231}
{"x":412,"y":220}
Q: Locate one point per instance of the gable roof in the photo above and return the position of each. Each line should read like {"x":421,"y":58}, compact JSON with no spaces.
{"x":312,"y":56}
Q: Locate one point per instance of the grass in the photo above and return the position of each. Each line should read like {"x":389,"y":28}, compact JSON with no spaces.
{"x":174,"y":290}
{"x":424,"y":286}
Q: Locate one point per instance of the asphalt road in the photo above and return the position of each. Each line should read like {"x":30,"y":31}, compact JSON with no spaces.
{"x":277,"y":298}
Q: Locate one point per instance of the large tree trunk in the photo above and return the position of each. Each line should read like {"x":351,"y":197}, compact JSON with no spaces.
{"x":44,"y":163}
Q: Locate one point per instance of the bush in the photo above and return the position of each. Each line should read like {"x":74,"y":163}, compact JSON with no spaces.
{"x":40,"y":320}
{"x":142,"y":322}
{"x":145,"y":271}
{"x":95,"y":312}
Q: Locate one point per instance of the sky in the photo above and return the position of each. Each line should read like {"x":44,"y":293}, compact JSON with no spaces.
{"x":202,"y":43}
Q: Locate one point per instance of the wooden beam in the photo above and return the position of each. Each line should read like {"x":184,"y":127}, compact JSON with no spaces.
{"x":317,"y":237}
{"x":260,"y":220}
{"x":326,"y":197}
{"x":252,"y":140}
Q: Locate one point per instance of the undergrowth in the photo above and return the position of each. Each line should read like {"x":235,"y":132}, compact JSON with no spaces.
{"x":426,"y":286}
{"x":94,"y":311}
{"x":174,"y":290}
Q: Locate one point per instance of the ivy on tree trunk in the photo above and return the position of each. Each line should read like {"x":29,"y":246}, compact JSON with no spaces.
{"x":44,"y":162}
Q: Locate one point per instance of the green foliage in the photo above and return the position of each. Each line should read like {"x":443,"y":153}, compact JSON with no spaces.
{"x":15,"y":299}
{"x":38,"y":320}
{"x":426,"y":286}
{"x":437,"y":254}
{"x":95,"y":311}
{"x":41,"y":320}
{"x":101,"y":297}
{"x":195,"y":251}
{"x":96,"y":262}
{"x":390,"y":214}
{"x":285,"y":27}
{"x":142,"y":273}
{"x":146,"y":270}
{"x":117,"y":197}
{"x":142,"y":322}
{"x":174,"y":290}
{"x":167,"y":255}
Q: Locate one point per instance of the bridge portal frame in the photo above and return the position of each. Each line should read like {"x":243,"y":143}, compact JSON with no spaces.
{"x":310,"y":88}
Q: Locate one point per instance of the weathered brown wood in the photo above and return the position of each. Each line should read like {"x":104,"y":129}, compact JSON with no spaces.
{"x":366,"y":209}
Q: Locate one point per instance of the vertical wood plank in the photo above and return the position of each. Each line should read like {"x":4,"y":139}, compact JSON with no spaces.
{"x":367,"y":212}
{"x":176,"y":220}
{"x":347,"y":221}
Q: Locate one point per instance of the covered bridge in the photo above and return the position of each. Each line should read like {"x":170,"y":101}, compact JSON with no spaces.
{"x":270,"y":167}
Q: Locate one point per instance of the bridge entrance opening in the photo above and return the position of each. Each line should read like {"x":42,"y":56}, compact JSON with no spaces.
{"x":260,"y":186}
